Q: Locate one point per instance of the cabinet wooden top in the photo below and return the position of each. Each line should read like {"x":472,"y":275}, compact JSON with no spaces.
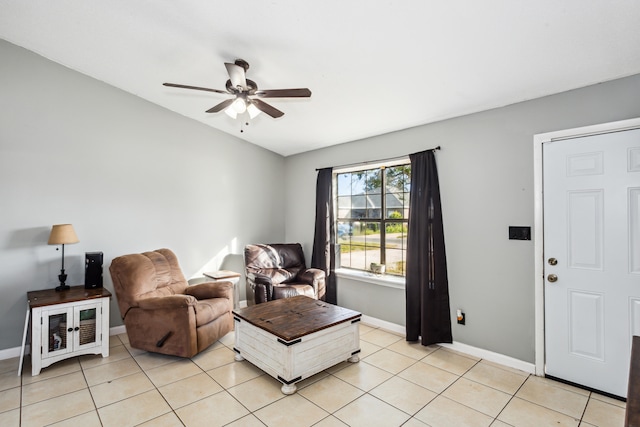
{"x":292,"y":318}
{"x":75,"y":293}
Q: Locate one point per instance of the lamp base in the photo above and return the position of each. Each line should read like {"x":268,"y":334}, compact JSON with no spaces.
{"x":63,"y":278}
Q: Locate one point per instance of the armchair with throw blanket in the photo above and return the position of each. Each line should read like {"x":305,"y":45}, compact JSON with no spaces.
{"x":278,"y":270}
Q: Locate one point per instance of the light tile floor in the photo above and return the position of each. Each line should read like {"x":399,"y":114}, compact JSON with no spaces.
{"x":394,"y":384}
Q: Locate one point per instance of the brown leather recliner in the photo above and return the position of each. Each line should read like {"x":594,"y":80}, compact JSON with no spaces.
{"x":278,"y":270}
{"x":161,"y":312}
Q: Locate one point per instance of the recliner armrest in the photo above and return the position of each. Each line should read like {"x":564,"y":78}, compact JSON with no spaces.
{"x":260,"y":293}
{"x":316,"y":278}
{"x":311,"y":275}
{"x":208,"y":290}
{"x":262,"y":287}
{"x":171,"y":301}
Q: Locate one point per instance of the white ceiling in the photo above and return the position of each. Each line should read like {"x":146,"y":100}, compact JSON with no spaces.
{"x":373,"y":66}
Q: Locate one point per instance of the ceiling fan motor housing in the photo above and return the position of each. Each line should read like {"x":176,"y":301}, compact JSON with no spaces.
{"x":252,"y":87}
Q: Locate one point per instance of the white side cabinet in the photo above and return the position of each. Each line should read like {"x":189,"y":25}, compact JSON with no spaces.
{"x":67,"y":324}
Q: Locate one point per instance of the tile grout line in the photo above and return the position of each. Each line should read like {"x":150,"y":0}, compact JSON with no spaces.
{"x":198,"y":400}
{"x":225,"y":389}
{"x":584,"y":411}
{"x":22,"y":373}
{"x":22,"y":386}
{"x":95,"y":406}
{"x":365,"y":392}
{"x":129,"y":397}
{"x":511,"y":398}
{"x":467,"y":406}
{"x":331,"y":414}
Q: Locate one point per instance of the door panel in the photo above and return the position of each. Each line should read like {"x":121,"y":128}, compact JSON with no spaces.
{"x":634,"y":159}
{"x":584,"y":233}
{"x":634,"y":230}
{"x":586,"y":324}
{"x":591,"y":197}
{"x":585,"y":164}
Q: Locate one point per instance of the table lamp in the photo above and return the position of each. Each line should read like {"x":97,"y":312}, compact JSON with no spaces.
{"x":62,"y":234}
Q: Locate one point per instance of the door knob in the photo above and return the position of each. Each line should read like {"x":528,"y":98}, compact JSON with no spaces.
{"x":553,"y":261}
{"x":552,"y":278}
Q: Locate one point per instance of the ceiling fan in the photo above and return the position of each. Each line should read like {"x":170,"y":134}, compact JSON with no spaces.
{"x":246,"y":94}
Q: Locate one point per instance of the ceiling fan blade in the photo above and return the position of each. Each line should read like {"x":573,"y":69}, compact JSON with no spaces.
{"x":195,"y":87}
{"x":236,"y":75}
{"x":224,"y":104}
{"x":284,"y":93}
{"x":267,"y":109}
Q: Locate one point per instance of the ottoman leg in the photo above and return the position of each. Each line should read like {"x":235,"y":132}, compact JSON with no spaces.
{"x":288,"y":388}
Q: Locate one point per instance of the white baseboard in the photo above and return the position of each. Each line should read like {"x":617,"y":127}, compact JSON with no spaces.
{"x":371,"y":321}
{"x":383,"y":324}
{"x":117,"y":330}
{"x":457,"y":346}
{"x":491,"y":356}
{"x":12,"y":352}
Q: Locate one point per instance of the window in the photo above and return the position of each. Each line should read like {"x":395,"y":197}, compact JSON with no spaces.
{"x":372,"y":216}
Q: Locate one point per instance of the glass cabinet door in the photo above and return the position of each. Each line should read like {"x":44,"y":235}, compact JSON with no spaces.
{"x":85,"y":330}
{"x":56,"y":327}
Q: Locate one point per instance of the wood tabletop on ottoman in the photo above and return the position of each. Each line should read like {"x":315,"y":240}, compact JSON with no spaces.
{"x":294,"y":338}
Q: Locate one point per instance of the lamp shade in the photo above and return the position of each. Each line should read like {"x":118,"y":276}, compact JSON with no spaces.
{"x":62,"y":234}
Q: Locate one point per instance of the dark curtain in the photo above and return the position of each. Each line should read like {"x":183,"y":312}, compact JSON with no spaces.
{"x":323,"y":239}
{"x":427,"y":288}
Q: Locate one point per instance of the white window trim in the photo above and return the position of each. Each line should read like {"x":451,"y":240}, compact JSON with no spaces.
{"x":387,"y":280}
{"x":390,"y":281}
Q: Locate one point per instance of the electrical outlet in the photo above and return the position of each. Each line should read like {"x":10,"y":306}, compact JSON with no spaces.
{"x":461,"y":317}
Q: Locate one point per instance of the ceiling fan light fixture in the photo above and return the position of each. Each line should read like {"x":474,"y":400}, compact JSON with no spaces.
{"x":231,"y":112}
{"x":239,"y":105}
{"x":252,"y":110}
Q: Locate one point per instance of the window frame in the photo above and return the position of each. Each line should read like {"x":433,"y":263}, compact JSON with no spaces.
{"x":383,"y":219}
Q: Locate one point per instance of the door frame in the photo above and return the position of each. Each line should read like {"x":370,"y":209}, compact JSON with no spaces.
{"x":538,"y":240}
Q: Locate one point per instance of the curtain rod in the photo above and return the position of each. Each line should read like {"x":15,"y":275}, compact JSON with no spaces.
{"x":376,"y":161}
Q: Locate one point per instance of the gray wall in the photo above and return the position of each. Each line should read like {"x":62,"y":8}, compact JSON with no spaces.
{"x":130,"y":176}
{"x":486,"y":180}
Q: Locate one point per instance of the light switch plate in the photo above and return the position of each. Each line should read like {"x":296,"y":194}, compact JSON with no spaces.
{"x":519,"y":233}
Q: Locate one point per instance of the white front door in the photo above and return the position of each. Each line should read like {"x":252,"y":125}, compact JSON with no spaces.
{"x":591,"y":218}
